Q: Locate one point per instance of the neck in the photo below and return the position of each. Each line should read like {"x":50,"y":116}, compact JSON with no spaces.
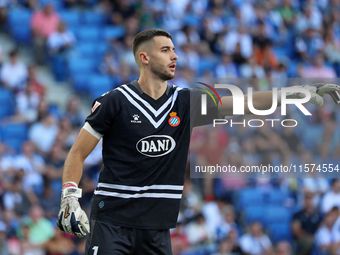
{"x":152,"y":86}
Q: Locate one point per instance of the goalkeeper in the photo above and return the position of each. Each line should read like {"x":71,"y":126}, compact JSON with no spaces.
{"x":146,"y":130}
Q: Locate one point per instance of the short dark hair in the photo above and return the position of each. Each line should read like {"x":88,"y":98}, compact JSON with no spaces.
{"x":147,"y":35}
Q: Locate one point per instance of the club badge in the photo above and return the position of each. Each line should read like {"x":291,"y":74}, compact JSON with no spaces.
{"x":174,"y":120}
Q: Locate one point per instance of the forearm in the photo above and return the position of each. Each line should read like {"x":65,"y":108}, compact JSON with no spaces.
{"x":262,"y":100}
{"x":73,"y":168}
{"x":83,"y":146}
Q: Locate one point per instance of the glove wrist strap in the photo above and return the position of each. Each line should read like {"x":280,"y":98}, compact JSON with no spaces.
{"x":71,"y":192}
{"x":69,"y":184}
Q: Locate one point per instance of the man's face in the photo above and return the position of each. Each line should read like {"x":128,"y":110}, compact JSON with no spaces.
{"x":163,"y":58}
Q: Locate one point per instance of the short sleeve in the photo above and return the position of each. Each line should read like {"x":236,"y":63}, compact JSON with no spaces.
{"x":196,"y":117}
{"x":102,"y":113}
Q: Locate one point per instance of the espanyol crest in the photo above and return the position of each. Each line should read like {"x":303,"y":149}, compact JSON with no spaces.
{"x":174,"y":120}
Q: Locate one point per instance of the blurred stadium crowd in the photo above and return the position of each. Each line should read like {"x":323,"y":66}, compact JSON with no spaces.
{"x":89,"y":44}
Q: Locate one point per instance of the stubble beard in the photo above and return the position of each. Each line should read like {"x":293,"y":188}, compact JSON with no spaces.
{"x":161,"y":72}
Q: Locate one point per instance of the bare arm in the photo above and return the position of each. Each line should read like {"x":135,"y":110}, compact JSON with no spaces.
{"x":82,"y":147}
{"x":262,"y":100}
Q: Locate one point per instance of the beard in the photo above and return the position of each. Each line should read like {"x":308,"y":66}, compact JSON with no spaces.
{"x":161,"y":72}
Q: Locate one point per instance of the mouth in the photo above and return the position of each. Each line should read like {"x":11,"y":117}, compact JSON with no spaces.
{"x":173,"y":66}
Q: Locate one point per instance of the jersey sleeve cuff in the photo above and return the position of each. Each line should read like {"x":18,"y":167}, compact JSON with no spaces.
{"x":93,"y":132}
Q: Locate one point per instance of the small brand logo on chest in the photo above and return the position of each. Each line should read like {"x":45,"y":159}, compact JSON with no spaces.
{"x":135,"y":119}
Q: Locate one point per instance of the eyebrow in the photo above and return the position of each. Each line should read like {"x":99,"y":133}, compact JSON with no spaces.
{"x":167,"y":47}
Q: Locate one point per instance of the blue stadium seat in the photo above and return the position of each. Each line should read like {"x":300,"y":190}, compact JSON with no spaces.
{"x":86,"y":50}
{"x":100,"y":84}
{"x":280,"y":232}
{"x":70,"y":17}
{"x":81,"y":65}
{"x":277,"y":214}
{"x":254,"y":213}
{"x":88,"y":34}
{"x":57,"y":4}
{"x":19,"y":16}
{"x":276,"y":197}
{"x":251,"y":196}
{"x":93,"y":19}
{"x":113,"y":32}
{"x":7,"y":103}
{"x":15,"y":144}
{"x":14,"y":131}
{"x":80,"y":82}
{"x":21,"y":33}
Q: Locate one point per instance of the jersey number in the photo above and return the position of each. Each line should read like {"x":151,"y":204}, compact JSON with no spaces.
{"x":95,"y":248}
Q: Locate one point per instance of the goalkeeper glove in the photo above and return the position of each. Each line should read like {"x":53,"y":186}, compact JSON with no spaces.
{"x":71,"y":218}
{"x":330,"y":89}
{"x":314,"y":99}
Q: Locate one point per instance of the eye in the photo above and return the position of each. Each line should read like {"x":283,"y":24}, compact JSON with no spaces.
{"x":165,"y":50}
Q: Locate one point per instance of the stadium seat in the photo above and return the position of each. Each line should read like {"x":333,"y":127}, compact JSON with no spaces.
{"x":87,"y":50}
{"x":7,"y":103}
{"x":277,"y":214}
{"x":113,"y":32}
{"x":88,"y":34}
{"x":276,"y":197}
{"x":93,"y":19}
{"x":70,"y":17}
{"x":81,"y":65}
{"x":100,"y":84}
{"x":251,"y":196}
{"x":80,"y":82}
{"x":21,"y":33}
{"x":254,"y":213}
{"x":280,"y":232}
{"x":14,"y":131}
{"x":57,"y":4}
{"x":19,"y":16}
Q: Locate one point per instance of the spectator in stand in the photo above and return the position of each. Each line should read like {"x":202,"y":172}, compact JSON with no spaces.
{"x":27,"y":103}
{"x":319,"y":69}
{"x":308,"y":44}
{"x":228,"y":224}
{"x":43,"y":134}
{"x":225,"y":247}
{"x":188,"y":35}
{"x":227,"y":68}
{"x":40,"y":230}
{"x":251,"y":69}
{"x":59,"y":244}
{"x":188,"y":57}
{"x":310,"y":18}
{"x":283,"y":248}
{"x":179,"y":240}
{"x":50,"y":201}
{"x":198,"y":231}
{"x":332,"y":50}
{"x":13,"y":73}
{"x":32,"y":77}
{"x":60,"y":45}
{"x":232,"y":38}
{"x":304,"y":225}
{"x":3,"y":239}
{"x":288,"y":13}
{"x":256,"y":242}
{"x":44,"y":22}
{"x":324,"y":236}
{"x":332,"y":197}
{"x":33,"y":166}
{"x":110,"y":64}
{"x":16,"y":201}
{"x":61,"y":42}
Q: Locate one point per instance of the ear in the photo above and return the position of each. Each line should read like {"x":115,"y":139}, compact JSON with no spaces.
{"x":144,"y":57}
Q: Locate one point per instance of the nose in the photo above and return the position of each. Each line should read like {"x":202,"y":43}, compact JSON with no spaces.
{"x":174,"y":56}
